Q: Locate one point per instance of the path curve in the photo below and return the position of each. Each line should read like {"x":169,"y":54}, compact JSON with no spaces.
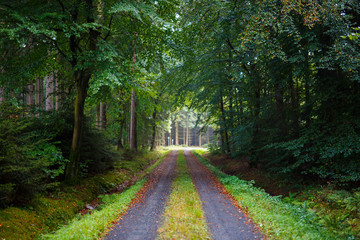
{"x":143,"y":217}
{"x":224,"y":218}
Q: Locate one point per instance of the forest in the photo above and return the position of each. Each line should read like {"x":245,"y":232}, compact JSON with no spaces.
{"x":84,"y":83}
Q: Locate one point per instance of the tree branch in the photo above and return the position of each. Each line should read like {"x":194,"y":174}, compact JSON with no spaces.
{"x":108,"y":33}
{"x":57,"y":47}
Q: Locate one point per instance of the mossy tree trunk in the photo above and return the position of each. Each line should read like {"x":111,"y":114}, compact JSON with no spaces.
{"x":72,"y":169}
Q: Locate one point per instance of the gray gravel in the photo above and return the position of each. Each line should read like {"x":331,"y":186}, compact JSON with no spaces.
{"x":224,"y":219}
{"x":142,"y":219}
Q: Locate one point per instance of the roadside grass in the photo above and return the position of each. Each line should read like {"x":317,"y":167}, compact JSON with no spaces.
{"x":47,"y":212}
{"x":90,"y":226}
{"x":94,"y":225}
{"x":277,"y":219}
{"x":183,"y":217}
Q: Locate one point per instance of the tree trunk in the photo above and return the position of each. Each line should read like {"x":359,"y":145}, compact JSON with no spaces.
{"x":39,"y":93}
{"x":81,"y":78}
{"x":98,"y":126}
{"x":72,"y":169}
{"x":132,"y":120}
{"x":187,"y":130}
{"x":226,"y":145}
{"x":102,"y":115}
{"x":120,"y":145}
{"x":29,"y":96}
{"x":49,"y":92}
{"x":208,"y":135}
{"x":176,"y":133}
{"x":58,"y":96}
{"x":153,"y":140}
{"x":2,"y":94}
{"x":295,"y":108}
{"x":200,"y":140}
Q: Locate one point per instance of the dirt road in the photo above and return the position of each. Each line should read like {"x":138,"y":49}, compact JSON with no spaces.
{"x":142,"y":219}
{"x":225,"y":219}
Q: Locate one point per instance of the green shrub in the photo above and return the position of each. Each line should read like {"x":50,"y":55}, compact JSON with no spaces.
{"x":26,"y":160}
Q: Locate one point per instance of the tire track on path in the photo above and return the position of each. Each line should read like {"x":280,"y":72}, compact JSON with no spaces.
{"x":224,"y":218}
{"x":143,"y":218}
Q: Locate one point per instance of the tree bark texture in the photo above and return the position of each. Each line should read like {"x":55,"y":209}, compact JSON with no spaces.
{"x":132,"y":120}
{"x":39,"y":88}
{"x":72,"y":169}
{"x":176,"y":132}
{"x":49,"y":90}
{"x":153,"y":139}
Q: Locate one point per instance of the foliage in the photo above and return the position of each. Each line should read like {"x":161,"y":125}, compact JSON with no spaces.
{"x":27,"y":159}
{"x":337,"y":209}
{"x":279,"y":79}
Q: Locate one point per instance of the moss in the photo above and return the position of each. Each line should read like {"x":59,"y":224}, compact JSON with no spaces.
{"x":46,"y":213}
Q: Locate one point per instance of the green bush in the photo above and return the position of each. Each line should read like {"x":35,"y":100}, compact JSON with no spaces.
{"x":329,"y":151}
{"x":26,"y":160}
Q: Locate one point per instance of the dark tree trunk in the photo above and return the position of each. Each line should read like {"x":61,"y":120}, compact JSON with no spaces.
{"x":72,"y":169}
{"x":153,"y":140}
{"x":132,"y":120}
{"x":81,"y":78}
{"x":226,"y":145}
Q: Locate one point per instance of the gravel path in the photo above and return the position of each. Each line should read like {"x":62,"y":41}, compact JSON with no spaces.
{"x":143,"y":217}
{"x":225,"y":220}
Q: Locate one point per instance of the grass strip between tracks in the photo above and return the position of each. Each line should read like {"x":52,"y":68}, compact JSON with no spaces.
{"x":183,"y":217}
{"x":278,"y":220}
{"x":93,"y":225}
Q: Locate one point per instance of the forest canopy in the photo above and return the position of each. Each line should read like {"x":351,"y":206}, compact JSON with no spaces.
{"x":277,"y":80}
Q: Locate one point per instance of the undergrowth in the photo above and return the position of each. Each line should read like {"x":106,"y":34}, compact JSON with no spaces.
{"x":47,"y":212}
{"x":183,"y":217}
{"x":277,"y":219}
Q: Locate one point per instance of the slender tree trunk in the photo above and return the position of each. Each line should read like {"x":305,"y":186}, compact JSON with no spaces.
{"x":200,"y":140}
{"x":102,"y":115}
{"x":58,"y":96}
{"x":49,"y":92}
{"x":135,"y":130}
{"x":295,"y":108}
{"x":224,"y":123}
{"x":187,"y":130}
{"x":2,"y":94}
{"x":153,"y":139}
{"x":39,"y":93}
{"x":208,"y":136}
{"x":176,"y":132}
{"x":120,"y":145}
{"x":29,"y":97}
{"x":132,"y":120}
{"x":98,"y":126}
